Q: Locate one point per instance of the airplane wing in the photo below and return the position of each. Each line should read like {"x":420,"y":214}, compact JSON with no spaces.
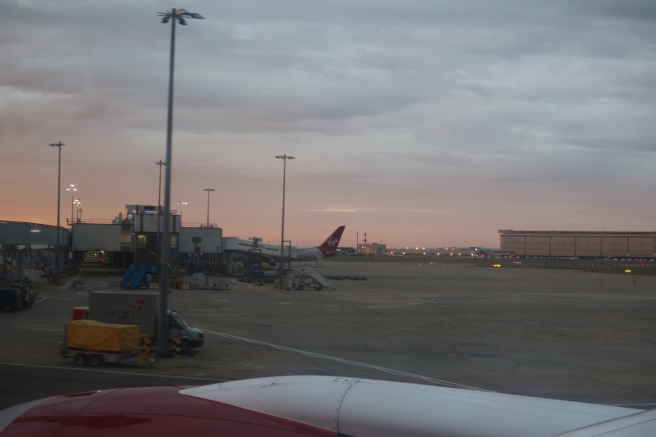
{"x":637,"y":425}
{"x":362,"y":407}
{"x":319,"y":406}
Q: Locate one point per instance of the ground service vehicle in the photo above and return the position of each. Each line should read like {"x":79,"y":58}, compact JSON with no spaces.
{"x":27,"y":298}
{"x":91,"y":342}
{"x":136,"y":278}
{"x":307,"y":277}
{"x":10,"y":299}
{"x":140,"y":308}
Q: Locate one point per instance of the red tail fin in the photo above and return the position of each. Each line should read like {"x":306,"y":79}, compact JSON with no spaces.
{"x":329,"y":247}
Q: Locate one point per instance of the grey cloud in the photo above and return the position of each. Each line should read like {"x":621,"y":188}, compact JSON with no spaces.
{"x":516,"y":105}
{"x":638,"y":10}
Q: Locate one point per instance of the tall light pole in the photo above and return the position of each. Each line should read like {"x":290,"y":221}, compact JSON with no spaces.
{"x":208,"y":204}
{"x":282,"y":233}
{"x":159,"y":215}
{"x":175,"y":15}
{"x":72,"y":189}
{"x":59,"y":145}
{"x":159,"y":187}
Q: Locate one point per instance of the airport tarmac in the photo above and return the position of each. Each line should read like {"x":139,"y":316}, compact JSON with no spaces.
{"x":559,"y":334}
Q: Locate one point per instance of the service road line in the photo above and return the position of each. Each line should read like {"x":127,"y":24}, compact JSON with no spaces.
{"x":349,"y":362}
{"x":81,"y":369}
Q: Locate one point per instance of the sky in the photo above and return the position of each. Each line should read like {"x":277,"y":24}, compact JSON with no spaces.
{"x":419,"y":123}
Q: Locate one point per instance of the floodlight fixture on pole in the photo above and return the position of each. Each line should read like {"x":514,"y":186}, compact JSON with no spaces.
{"x":180,"y":15}
{"x":282,"y":233}
{"x":175,"y":15}
{"x":208,"y":204}
{"x":72,"y":189}
{"x":59,"y":145}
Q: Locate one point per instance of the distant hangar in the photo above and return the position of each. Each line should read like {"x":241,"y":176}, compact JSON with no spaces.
{"x":581,"y":244}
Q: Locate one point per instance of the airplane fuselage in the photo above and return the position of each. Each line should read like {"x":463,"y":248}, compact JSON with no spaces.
{"x":296,"y":253}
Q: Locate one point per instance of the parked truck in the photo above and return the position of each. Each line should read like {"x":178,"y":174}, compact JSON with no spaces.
{"x":140,"y":308}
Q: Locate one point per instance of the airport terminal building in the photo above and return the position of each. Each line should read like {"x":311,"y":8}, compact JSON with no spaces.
{"x":580,"y":244}
{"x":131,"y":237}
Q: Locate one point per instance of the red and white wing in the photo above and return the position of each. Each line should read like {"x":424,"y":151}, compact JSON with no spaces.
{"x":317,"y":406}
{"x":361,"y":407}
{"x":139,"y":412}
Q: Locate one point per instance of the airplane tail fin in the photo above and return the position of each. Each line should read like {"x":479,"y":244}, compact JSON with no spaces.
{"x":329,"y":247}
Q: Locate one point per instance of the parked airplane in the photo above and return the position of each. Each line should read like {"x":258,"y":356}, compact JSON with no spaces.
{"x":328,"y":248}
{"x":298,"y":406}
{"x":298,"y":253}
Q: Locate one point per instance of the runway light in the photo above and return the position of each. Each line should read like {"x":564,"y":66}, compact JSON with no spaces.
{"x":627,"y":271}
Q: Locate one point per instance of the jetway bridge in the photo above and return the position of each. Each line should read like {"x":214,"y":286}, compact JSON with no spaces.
{"x":131,"y":237}
{"x":32,"y":234}
{"x":17,"y":238}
